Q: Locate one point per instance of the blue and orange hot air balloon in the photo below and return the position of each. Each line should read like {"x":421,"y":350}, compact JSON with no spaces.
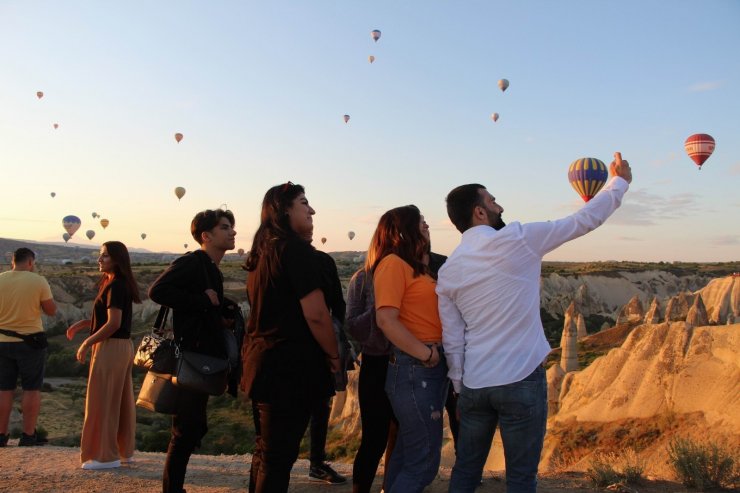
{"x":71,"y":224}
{"x":587,"y":175}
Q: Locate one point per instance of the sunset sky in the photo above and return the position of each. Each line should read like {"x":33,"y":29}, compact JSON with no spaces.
{"x":259,"y":90}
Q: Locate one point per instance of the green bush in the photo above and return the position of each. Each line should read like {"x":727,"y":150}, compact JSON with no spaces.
{"x":703,"y":465}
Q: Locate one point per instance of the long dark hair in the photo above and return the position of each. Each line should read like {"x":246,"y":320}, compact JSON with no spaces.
{"x":121,"y":270}
{"x":398,"y":232}
{"x":263,"y":260}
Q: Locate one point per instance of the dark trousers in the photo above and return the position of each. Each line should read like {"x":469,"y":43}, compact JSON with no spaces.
{"x":376,"y":415}
{"x":451,"y":407}
{"x":319,"y":428}
{"x":278,"y":432}
{"x":189,"y":426}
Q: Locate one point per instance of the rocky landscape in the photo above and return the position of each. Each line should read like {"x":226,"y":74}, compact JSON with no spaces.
{"x":642,"y":357}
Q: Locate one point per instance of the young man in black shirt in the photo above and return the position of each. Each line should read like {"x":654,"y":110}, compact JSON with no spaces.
{"x":193,"y":288}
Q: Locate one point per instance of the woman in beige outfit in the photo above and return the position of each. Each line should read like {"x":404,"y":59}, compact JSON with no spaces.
{"x":108,"y":432}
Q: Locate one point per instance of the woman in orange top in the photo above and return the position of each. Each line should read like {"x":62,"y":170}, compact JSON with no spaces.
{"x":406,"y":312}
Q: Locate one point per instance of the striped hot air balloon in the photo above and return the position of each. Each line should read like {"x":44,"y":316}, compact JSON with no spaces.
{"x":587,"y":175}
{"x":699,"y":147}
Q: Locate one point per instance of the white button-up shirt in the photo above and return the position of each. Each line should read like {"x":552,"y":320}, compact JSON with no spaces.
{"x":489,"y":293}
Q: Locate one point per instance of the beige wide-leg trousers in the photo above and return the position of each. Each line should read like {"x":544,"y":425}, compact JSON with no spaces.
{"x":108,"y":432}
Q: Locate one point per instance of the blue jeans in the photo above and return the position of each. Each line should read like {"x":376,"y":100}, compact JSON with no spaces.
{"x":520,"y":410}
{"x":417,"y":395}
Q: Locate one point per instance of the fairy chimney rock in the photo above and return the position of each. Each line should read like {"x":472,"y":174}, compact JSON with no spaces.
{"x":569,"y":346}
{"x":555,"y":376}
{"x":697,"y":316}
{"x":677,"y":308}
{"x":632,"y":312}
{"x":653,"y":314}
{"x":571,"y":318}
{"x":581,"y":327}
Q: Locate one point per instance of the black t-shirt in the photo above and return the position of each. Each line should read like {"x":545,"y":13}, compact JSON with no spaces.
{"x":284,"y":363}
{"x":114,"y":295}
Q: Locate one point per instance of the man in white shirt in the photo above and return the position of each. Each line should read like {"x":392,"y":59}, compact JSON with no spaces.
{"x":489,"y":304}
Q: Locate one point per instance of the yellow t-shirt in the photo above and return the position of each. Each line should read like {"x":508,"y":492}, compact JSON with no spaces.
{"x":415,"y":298}
{"x":21,"y":294}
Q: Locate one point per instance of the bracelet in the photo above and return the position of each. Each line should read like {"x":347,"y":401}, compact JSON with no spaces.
{"x":431,"y":353}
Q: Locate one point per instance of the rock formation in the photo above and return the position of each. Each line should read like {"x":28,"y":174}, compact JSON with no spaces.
{"x":677,"y":308}
{"x":697,"y":316}
{"x":661,"y":368}
{"x":722,"y":299}
{"x":569,"y":346}
{"x":581,"y":327}
{"x":632,"y":312}
{"x":653,"y":315}
{"x":555,"y":375}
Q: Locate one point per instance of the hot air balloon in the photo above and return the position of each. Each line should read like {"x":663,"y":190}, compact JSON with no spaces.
{"x":323,"y":241}
{"x":143,"y":236}
{"x":104,"y":223}
{"x":94,"y":215}
{"x":240,"y":252}
{"x":371,"y":59}
{"x":178,"y":137}
{"x":179,"y":191}
{"x":351,"y":234}
{"x":503,"y":84}
{"x":375,"y":34}
{"x":346,"y":118}
{"x":71,"y":224}
{"x":185,"y":245}
{"x":53,"y":194}
{"x":56,"y":126}
{"x":699,"y":147}
{"x":66,"y":237}
{"x":90,"y":234}
{"x":39,"y":94}
{"x":494,"y":117}
{"x":587,"y":175}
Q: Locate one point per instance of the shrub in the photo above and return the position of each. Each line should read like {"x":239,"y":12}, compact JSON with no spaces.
{"x":702,"y":465}
{"x":606,"y":469}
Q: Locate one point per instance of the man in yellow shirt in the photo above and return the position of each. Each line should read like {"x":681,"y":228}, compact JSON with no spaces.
{"x":23,"y":296}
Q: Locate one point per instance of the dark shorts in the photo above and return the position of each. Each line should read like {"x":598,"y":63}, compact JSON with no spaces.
{"x":18,"y":358}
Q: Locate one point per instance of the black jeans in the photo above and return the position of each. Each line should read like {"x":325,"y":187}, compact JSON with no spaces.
{"x":376,"y":415}
{"x":319,"y":428}
{"x":189,"y":426}
{"x":278,"y":431}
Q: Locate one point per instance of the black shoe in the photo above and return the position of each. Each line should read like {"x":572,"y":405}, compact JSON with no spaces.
{"x":4,"y":440}
{"x":324,"y":472}
{"x":31,"y":440}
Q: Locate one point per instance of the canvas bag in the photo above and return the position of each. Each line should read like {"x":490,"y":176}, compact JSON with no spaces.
{"x":158,"y":394}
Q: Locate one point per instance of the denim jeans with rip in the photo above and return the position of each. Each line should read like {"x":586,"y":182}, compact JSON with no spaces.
{"x":520,"y":411}
{"x":417,"y":395}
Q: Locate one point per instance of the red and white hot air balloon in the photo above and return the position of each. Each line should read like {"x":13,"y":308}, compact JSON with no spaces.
{"x":699,"y":147}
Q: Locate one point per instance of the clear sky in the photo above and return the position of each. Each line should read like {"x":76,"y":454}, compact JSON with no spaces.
{"x":258,"y":88}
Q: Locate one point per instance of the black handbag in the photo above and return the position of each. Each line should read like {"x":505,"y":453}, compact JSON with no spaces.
{"x":158,"y":394}
{"x":156,"y":352}
{"x":201,"y":372}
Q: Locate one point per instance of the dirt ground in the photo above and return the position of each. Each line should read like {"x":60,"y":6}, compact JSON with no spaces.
{"x":56,"y":469}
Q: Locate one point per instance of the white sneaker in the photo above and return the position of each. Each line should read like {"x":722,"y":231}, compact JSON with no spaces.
{"x":93,"y":465}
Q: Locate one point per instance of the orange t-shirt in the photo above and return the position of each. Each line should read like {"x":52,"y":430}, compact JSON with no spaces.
{"x":415,"y":298}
